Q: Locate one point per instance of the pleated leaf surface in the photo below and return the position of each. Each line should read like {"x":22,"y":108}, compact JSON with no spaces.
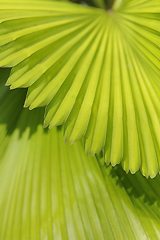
{"x":96,"y":71}
{"x":52,"y":190}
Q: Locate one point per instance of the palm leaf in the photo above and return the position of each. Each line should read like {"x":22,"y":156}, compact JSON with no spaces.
{"x":51,"y":190}
{"x":96,"y":71}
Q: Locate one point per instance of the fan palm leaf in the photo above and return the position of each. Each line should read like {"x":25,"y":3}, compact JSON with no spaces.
{"x":96,"y":71}
{"x":51,"y":190}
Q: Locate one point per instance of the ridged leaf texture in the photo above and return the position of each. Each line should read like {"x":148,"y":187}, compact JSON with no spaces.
{"x":52,"y":190}
{"x":96,"y":71}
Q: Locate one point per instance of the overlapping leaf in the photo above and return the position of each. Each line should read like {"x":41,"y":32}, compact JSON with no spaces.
{"x":51,"y":190}
{"x":96,"y":71}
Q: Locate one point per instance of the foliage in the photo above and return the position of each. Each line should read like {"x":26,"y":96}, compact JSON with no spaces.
{"x":94,"y":67}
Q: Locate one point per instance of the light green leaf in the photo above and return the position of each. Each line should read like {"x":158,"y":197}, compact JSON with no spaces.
{"x":51,"y":190}
{"x":96,"y":71}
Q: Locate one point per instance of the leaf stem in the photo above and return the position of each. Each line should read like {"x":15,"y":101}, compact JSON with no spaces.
{"x":109,"y":4}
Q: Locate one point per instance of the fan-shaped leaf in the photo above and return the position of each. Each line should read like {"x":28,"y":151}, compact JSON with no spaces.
{"x":96,"y":71}
{"x":51,"y":190}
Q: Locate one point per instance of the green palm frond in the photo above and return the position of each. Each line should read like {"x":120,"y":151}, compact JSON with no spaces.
{"x":96,"y":71}
{"x":51,"y":190}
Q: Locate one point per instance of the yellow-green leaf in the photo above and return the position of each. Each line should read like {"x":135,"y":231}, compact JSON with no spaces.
{"x":96,"y":71}
{"x":51,"y":190}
